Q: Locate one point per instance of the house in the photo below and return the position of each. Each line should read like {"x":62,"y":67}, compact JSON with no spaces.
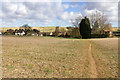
{"x":9,"y":32}
{"x":0,"y":33}
{"x":61,"y":34}
{"x":52,"y":34}
{"x":32,"y":33}
{"x":19,"y":32}
{"x":47,"y":34}
{"x":41,"y":34}
{"x":27,"y":32}
{"x":108,"y":32}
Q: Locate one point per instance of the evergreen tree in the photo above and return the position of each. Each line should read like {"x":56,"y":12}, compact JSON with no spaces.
{"x":84,"y":28}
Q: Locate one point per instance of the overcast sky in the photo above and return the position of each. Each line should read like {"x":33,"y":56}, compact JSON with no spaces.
{"x":58,"y":13}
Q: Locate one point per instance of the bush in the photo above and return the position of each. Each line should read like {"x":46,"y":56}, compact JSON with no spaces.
{"x":28,"y":34}
{"x":75,"y":33}
{"x":99,"y":35}
{"x":67,"y":35}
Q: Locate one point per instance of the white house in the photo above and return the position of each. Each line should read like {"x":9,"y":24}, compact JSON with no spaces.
{"x":20,"y":32}
{"x":0,"y":33}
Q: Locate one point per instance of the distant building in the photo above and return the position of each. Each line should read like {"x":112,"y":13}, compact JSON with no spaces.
{"x":0,"y":33}
{"x":108,"y":32}
{"x":9,"y":32}
{"x":20,"y":32}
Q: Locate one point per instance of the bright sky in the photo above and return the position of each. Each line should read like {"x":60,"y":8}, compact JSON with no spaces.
{"x":55,"y":13}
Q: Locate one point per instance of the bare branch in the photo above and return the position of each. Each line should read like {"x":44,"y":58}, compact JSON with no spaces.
{"x":76,"y":21}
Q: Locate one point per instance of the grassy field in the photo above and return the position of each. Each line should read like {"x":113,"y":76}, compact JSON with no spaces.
{"x":105,"y":53}
{"x":48,"y":57}
{"x":42,"y":29}
{"x":47,"y":29}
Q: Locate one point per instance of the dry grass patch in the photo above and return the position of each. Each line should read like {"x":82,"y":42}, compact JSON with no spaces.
{"x":38,"y":57}
{"x":105,"y":52}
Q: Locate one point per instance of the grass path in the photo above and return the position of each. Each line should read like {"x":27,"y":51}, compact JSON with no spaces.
{"x":105,"y":54}
{"x":93,"y":64}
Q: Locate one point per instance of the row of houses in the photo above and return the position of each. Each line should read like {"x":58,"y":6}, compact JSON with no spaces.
{"x":33,"y":32}
{"x":71,"y":32}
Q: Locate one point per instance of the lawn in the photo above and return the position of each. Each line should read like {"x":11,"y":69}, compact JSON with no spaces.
{"x":49,"y":57}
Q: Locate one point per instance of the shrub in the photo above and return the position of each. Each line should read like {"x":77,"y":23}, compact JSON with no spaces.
{"x":75,"y":33}
{"x":99,"y":35}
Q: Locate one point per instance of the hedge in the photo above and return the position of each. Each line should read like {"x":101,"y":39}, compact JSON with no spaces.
{"x":99,"y":35}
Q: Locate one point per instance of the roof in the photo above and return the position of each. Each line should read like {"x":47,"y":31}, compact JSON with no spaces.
{"x":19,"y":31}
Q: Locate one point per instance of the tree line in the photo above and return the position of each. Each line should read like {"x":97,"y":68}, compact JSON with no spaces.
{"x":91,"y":27}
{"x":83,"y":27}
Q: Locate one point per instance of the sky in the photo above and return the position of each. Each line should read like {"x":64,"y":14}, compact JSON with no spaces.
{"x":53,"y":13}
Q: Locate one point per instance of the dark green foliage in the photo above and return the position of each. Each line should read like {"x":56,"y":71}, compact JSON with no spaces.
{"x":84,"y":28}
{"x":75,"y":33}
{"x":107,"y":35}
{"x":99,"y":35}
{"x":67,"y":35}
{"x":26,"y":27}
{"x":36,"y":31}
{"x":116,"y":33}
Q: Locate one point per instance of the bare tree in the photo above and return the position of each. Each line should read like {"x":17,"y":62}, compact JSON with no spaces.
{"x":100,"y":18}
{"x":76,"y":21}
{"x":108,"y":26}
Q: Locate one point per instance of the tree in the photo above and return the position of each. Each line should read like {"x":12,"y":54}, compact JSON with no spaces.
{"x":107,"y":26}
{"x":10,"y":32}
{"x":26,"y":26}
{"x":100,"y":19}
{"x":76,"y":21}
{"x":95,"y":28}
{"x":36,"y":31}
{"x":84,"y":28}
{"x":75,"y":33}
